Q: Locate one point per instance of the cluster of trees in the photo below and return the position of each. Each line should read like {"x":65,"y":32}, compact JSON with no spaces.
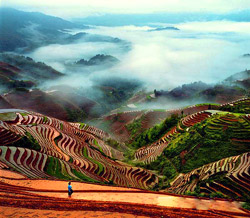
{"x":27,"y":141}
{"x":241,"y":107}
{"x":153,"y":134}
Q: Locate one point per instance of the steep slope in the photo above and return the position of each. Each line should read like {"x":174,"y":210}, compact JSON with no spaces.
{"x":42,"y":147}
{"x":205,"y":153}
{"x":125,"y":126}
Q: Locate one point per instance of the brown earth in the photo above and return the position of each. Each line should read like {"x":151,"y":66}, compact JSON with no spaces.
{"x":22,"y":197}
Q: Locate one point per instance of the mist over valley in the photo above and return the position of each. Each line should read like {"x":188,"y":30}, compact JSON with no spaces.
{"x":135,"y":104}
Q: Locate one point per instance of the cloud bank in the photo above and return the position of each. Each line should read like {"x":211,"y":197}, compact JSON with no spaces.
{"x":80,"y":8}
{"x":199,"y":51}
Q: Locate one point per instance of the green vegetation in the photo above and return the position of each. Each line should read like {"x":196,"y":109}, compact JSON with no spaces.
{"x":114,"y":144}
{"x":222,"y":179}
{"x":189,"y":150}
{"x":153,"y":134}
{"x":135,"y":127}
{"x":211,"y":136}
{"x":21,"y":89}
{"x":114,"y":92}
{"x":7,"y":116}
{"x":149,"y":97}
{"x":75,"y":115}
{"x":104,"y":124}
{"x":239,"y":107}
{"x":27,"y":141}
{"x":100,"y":166}
{"x":45,"y":119}
{"x":81,"y":125}
{"x":58,"y":138}
{"x":71,"y":160}
{"x":96,"y":143}
{"x":204,"y":104}
{"x":246,"y":205}
{"x":82,"y":177}
{"x":35,"y":70}
{"x":53,"y":167}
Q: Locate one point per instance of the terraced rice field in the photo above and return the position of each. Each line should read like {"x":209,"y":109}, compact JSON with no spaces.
{"x":149,"y":153}
{"x":32,"y":176}
{"x":148,"y":118}
{"x":236,"y":179}
{"x":64,"y":150}
{"x":22,"y":197}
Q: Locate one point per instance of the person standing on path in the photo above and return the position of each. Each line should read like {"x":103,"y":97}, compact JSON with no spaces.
{"x":70,"y":190}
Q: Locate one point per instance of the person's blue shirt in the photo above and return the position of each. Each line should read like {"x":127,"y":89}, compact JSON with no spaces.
{"x":69,"y":187}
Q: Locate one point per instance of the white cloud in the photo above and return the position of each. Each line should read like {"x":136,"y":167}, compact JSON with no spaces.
{"x":78,"y":8}
{"x":217,"y":26}
{"x":199,"y":51}
{"x":72,"y":52}
{"x":164,"y":59}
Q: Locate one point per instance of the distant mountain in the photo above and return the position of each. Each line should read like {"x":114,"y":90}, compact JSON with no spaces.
{"x":185,"y":91}
{"x":222,"y":93}
{"x":25,"y":68}
{"x":99,"y":59}
{"x":24,"y":31}
{"x":233,"y":87}
{"x":92,"y":38}
{"x":246,"y":55}
{"x":21,"y":29}
{"x":238,"y":76}
{"x":241,"y":79}
{"x":164,"y":28}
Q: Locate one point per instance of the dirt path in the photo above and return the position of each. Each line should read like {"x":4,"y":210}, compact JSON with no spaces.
{"x":7,"y":212}
{"x":89,"y":200}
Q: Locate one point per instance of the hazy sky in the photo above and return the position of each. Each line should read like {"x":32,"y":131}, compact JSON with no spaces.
{"x":76,"y":8}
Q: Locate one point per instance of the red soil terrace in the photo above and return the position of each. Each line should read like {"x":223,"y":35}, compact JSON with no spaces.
{"x":22,"y":197}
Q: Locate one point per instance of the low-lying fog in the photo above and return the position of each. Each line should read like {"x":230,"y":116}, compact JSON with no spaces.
{"x":199,"y":51}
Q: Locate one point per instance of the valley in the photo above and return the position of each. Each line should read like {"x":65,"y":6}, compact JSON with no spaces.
{"x":145,"y":119}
